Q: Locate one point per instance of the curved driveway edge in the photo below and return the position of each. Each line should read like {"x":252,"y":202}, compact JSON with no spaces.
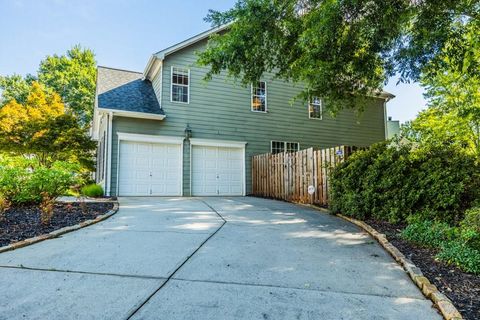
{"x":170,"y":258}
{"x":429,"y":290}
{"x":61,"y":231}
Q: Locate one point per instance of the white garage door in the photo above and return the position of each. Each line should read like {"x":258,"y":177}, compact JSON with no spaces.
{"x":217,"y":171}
{"x":149,"y":169}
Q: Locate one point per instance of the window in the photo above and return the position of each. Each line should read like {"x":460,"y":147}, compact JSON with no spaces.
{"x":259,"y":97}
{"x":315,"y":108}
{"x":282,"y":146}
{"x":180,"y":85}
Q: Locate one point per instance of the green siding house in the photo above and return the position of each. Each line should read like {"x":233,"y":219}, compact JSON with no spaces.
{"x":168,"y":132}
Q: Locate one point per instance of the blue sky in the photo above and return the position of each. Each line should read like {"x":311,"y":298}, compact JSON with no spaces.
{"x":123,"y":34}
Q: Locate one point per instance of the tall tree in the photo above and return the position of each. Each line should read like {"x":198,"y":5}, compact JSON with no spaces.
{"x":41,"y":129}
{"x":15,"y":87}
{"x":453,"y":113}
{"x":339,"y":49}
{"x":72,"y":76}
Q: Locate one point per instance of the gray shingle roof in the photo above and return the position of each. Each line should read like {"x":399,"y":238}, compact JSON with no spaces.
{"x":126,"y":91}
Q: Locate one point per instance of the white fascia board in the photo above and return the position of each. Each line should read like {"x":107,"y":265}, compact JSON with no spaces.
{"x":132,"y":114}
{"x":162,"y":54}
{"x":123,"y":136}
{"x":217,"y":143}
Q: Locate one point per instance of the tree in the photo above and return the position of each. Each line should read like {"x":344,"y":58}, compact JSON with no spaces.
{"x":72,"y":76}
{"x":41,"y":129}
{"x":15,"y":87}
{"x":453,"y":113}
{"x":339,"y":49}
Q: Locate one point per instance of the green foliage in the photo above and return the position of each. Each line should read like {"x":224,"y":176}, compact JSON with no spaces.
{"x":461,"y":255}
{"x":15,"y":87}
{"x":92,"y":190}
{"x":22,"y":183}
{"x":429,"y":234}
{"x":458,"y":246}
{"x":395,"y":182}
{"x":72,"y":76}
{"x":41,"y":128}
{"x":472,"y":219}
{"x":341,"y":49}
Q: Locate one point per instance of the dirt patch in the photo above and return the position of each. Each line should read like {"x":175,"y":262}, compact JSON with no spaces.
{"x":460,"y":287}
{"x":21,"y":223}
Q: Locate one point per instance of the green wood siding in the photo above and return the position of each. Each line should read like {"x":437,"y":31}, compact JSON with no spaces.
{"x":220,"y":109}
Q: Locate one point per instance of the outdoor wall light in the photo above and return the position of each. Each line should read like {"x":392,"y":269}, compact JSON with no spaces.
{"x":188,"y":132}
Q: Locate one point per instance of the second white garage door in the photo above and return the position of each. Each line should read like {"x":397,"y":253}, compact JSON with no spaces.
{"x":217,"y":171}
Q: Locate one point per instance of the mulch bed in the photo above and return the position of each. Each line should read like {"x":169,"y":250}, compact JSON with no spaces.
{"x":21,"y":223}
{"x":460,"y":287}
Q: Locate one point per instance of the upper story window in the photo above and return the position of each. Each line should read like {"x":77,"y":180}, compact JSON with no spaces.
{"x":259,"y":96}
{"x":283,"y":146}
{"x":180,"y":85}
{"x":315,"y":108}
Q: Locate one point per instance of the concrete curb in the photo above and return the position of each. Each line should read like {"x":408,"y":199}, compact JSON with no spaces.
{"x":428,"y":289}
{"x":59,"y":232}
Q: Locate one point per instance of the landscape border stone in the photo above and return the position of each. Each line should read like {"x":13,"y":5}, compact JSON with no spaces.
{"x":429,"y":290}
{"x":61,"y":231}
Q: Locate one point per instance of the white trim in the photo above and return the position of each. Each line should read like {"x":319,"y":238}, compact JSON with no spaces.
{"x":266,"y":99}
{"x":163,"y":53}
{"x":160,"y":99}
{"x":133,"y":114}
{"x":149,"y":138}
{"x":224,"y":144}
{"x":385,"y":118}
{"x":217,"y":143}
{"x":284,"y":145}
{"x":109,"y":155}
{"x":182,"y":85}
{"x":123,"y":136}
{"x":321,"y":109}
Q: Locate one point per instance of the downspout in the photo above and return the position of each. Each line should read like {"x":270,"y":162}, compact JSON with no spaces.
{"x":109,"y":154}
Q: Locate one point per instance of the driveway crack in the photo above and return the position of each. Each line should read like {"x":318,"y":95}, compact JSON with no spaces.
{"x":136,"y":309}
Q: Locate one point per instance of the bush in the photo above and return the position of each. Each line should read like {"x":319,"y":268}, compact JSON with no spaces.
{"x":22,"y":183}
{"x":429,"y":234}
{"x":394,"y":182}
{"x":92,"y":190}
{"x":461,"y":255}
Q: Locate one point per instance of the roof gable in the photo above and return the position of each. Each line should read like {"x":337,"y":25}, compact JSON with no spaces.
{"x":125,"y":91}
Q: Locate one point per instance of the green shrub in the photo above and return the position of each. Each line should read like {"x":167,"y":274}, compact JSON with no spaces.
{"x":92,"y":190}
{"x":472,"y":219}
{"x":429,"y":234}
{"x":22,"y":183}
{"x":461,"y":255}
{"x":394,"y":182}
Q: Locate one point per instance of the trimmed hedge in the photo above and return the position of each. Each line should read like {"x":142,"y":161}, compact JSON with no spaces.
{"x":395,"y":182}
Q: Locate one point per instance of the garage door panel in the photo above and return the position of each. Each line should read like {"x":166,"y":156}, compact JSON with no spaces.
{"x":149,"y":169}
{"x":217,"y":170}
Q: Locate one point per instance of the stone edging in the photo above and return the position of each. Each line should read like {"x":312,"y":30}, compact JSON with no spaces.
{"x":429,"y":290}
{"x":59,"y":232}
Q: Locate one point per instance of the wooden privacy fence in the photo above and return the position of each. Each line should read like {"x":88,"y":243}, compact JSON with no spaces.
{"x":288,"y":176}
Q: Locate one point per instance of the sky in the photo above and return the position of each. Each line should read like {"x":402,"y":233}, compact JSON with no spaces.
{"x":123,"y":34}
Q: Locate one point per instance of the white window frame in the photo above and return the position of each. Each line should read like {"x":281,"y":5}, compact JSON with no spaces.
{"x":310,"y":103}
{"x":251,"y":98}
{"x":284,"y":146}
{"x":172,"y":84}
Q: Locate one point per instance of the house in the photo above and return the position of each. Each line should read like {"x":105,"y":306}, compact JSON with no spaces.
{"x":393,"y":128}
{"x":166,"y":131}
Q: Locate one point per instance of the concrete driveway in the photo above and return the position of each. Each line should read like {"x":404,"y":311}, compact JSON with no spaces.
{"x":209,"y":258}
